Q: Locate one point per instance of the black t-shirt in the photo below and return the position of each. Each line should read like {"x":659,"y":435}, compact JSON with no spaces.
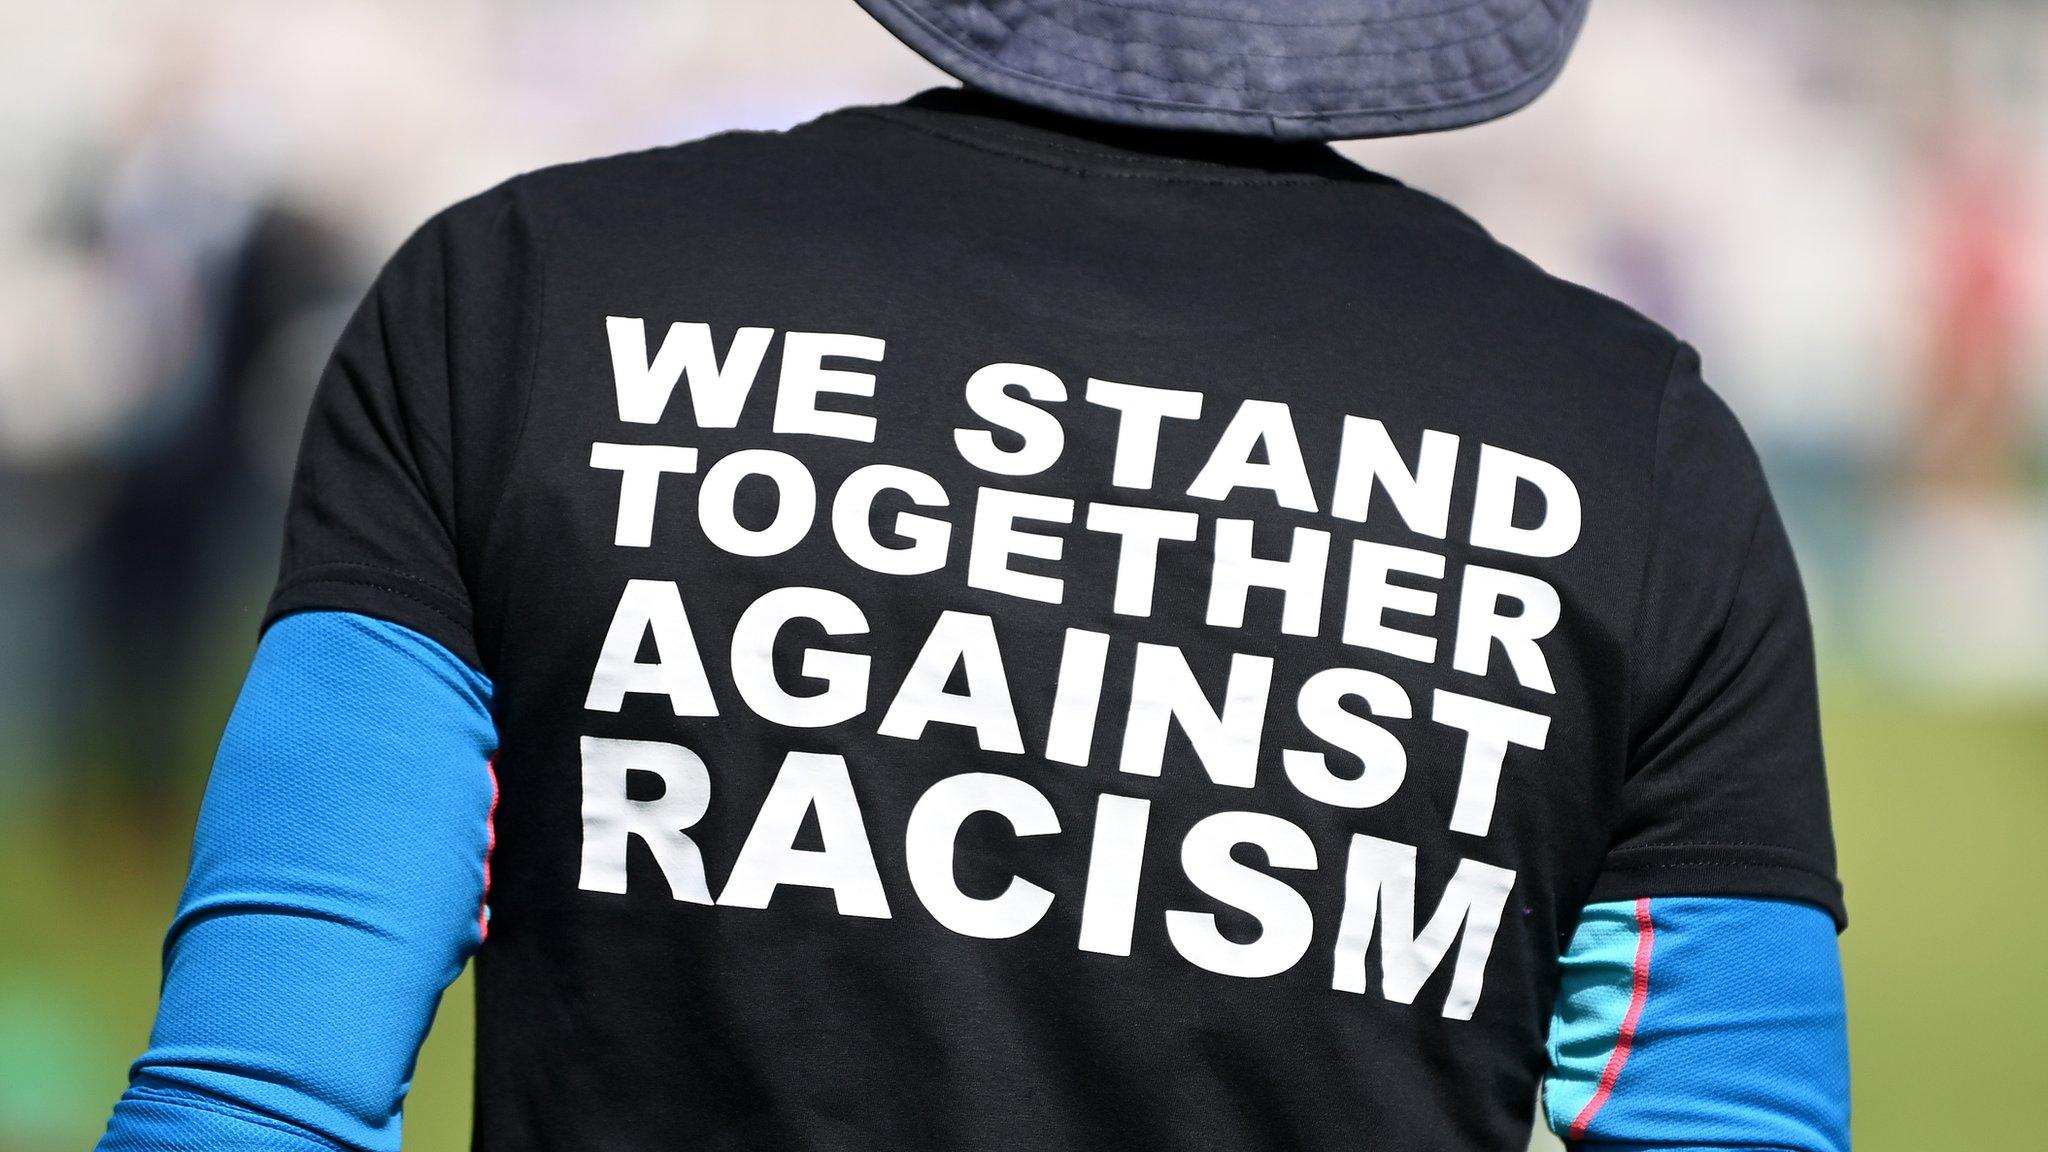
{"x":1012,"y":634}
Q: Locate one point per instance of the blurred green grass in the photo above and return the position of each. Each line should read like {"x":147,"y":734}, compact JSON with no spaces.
{"x":1939,"y":810}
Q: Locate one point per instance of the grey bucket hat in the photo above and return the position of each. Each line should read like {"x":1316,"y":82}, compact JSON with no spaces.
{"x":1289,"y":69}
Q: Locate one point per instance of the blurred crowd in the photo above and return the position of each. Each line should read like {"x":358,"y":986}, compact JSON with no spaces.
{"x":1840,"y":203}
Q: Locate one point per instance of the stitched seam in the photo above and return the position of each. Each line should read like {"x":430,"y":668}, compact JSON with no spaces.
{"x":1336,"y":167}
{"x":887,"y":117}
{"x":423,"y":582}
{"x":1256,"y":22}
{"x":1624,"y":1042}
{"x":1050,"y":145}
{"x":233,"y":1113}
{"x":1758,"y":864}
{"x":1021,"y":31}
{"x":1662,"y":844}
{"x":1050,"y":17}
{"x":398,"y":592}
{"x":319,"y":574}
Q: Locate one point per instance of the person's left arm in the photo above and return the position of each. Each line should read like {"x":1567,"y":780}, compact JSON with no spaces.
{"x":1700,"y":1003}
{"x":1700,"y":1023}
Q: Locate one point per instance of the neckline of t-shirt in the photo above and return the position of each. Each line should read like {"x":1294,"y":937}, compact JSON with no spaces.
{"x":991,"y":123}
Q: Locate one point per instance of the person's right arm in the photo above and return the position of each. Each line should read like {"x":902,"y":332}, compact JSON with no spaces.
{"x":338,"y":872}
{"x":337,"y":887}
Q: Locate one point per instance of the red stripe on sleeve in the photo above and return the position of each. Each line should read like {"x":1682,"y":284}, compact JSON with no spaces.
{"x":483,"y":912}
{"x":1639,"y":990}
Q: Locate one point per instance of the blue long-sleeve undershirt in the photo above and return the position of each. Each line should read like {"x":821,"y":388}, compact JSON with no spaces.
{"x":336,"y":889}
{"x":338,"y":878}
{"x":1697,"y":1023}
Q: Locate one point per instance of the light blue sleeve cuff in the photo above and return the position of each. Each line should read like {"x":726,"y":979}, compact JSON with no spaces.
{"x":337,"y":888}
{"x":1603,"y":1146}
{"x":1700,"y":1023}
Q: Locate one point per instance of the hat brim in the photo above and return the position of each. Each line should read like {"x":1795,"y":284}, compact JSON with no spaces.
{"x":1305,"y":69}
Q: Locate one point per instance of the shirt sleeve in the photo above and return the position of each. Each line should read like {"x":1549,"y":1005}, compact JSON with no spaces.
{"x":337,"y":887}
{"x":1726,"y":791}
{"x":413,"y":426}
{"x":1700,"y":1023}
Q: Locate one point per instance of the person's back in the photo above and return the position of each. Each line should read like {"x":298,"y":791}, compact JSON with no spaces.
{"x":920,"y":499}
{"x":1010,"y":633}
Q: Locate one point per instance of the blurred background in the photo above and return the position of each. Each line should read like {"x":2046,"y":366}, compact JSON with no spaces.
{"x":1843,"y":203}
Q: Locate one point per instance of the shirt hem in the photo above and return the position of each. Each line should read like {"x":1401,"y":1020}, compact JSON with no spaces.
{"x":1720,"y":870}
{"x":385,"y":595}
